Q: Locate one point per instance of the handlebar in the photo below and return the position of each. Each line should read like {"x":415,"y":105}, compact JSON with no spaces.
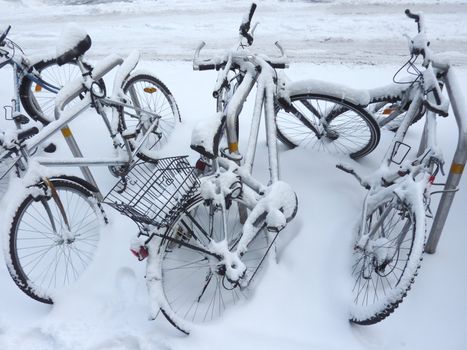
{"x":22,"y":135}
{"x":246,"y":24}
{"x":208,"y":64}
{"x":4,"y":34}
{"x":220,"y":62}
{"x":418,"y":19}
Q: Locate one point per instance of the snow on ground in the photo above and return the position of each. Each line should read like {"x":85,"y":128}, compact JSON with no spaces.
{"x":367,"y":32}
{"x":302,"y":303}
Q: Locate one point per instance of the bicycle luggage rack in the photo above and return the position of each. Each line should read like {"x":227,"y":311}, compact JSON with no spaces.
{"x":459,"y":108}
{"x":153,"y":193}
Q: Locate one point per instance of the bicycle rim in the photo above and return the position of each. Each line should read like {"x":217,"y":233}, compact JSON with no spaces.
{"x":194,"y":289}
{"x":384,"y":270}
{"x":43,"y":260}
{"x":149,"y":93}
{"x":349,"y":130}
{"x":38,"y":101}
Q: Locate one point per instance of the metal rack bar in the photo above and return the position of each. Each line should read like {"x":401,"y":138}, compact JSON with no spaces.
{"x":459,"y":108}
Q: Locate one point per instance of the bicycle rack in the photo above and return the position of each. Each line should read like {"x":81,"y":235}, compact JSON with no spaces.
{"x":459,"y":108}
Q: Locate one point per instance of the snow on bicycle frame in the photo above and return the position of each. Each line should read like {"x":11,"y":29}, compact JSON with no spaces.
{"x":399,"y":199}
{"x":277,"y":200}
{"x":88,"y":91}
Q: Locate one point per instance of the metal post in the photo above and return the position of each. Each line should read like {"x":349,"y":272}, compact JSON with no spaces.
{"x":74,"y":148}
{"x":459,"y":107}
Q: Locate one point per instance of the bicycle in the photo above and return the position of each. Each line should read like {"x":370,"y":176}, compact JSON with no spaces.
{"x":36,"y":83}
{"x":321,"y":115}
{"x":218,"y":241}
{"x":390,"y":240}
{"x":54,"y":226}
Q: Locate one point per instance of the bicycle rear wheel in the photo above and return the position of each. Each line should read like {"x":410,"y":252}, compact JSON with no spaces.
{"x":386,"y":260}
{"x":44,"y":253}
{"x":37,"y":101}
{"x":193,"y":287}
{"x":149,"y":93}
{"x":326,"y":123}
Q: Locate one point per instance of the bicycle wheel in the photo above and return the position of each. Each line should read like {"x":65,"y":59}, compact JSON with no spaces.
{"x":327,"y":123}
{"x":37,"y":101}
{"x":193,"y":287}
{"x":149,"y":93}
{"x":386,"y":260}
{"x":44,"y":254}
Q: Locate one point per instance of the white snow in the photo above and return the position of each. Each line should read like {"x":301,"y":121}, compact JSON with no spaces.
{"x":70,"y":38}
{"x":303,"y":302}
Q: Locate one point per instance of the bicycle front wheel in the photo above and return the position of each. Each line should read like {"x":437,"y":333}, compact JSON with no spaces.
{"x":326,"y":123}
{"x":148,"y":93}
{"x":53,"y":238}
{"x":193,"y":287}
{"x":387,"y":255}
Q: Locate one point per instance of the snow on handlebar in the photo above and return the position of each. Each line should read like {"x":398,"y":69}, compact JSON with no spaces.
{"x":4,"y":34}
{"x":219,"y":62}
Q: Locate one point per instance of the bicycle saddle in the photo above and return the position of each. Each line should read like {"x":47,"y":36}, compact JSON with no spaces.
{"x":79,"y":47}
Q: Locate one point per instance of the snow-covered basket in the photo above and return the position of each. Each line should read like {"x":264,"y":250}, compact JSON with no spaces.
{"x":152,"y":193}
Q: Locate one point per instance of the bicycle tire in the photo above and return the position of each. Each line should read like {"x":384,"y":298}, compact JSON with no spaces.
{"x":32,"y":242}
{"x":352,"y":130}
{"x":151,"y":94}
{"x":208,"y":292}
{"x":384,"y":270}
{"x":38,"y":102}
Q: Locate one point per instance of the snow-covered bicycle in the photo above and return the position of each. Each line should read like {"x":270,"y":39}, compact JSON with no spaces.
{"x":36,"y":80}
{"x":219,"y":239}
{"x":54,"y":225}
{"x":390,"y":240}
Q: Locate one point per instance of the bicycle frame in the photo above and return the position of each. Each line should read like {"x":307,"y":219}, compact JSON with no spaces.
{"x":253,"y":69}
{"x":63,"y":118}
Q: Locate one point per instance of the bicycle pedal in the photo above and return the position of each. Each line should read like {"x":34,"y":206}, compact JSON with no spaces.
{"x":50,"y":148}
{"x":21,"y":118}
{"x":142,"y":252}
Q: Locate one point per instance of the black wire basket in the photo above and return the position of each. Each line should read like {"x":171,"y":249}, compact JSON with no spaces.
{"x":154,"y":192}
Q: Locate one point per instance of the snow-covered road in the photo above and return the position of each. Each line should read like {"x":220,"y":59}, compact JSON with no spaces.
{"x":362,"y":32}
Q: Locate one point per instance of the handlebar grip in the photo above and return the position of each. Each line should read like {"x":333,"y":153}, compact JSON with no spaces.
{"x":206,"y":66}
{"x":414,"y":17}
{"x":252,"y":11}
{"x":4,"y":34}
{"x":278,"y":65}
{"x":27,"y":133}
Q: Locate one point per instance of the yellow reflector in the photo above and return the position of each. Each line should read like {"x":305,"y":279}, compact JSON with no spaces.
{"x":388,"y":110}
{"x":66,"y":132}
{"x":233,"y":147}
{"x":150,"y":90}
{"x":457,"y":168}
{"x":38,"y":88}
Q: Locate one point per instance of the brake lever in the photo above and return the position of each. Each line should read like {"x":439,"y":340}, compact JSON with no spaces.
{"x":196,"y":56}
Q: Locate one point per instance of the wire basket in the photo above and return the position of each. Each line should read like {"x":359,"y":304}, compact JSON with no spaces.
{"x":154,"y":192}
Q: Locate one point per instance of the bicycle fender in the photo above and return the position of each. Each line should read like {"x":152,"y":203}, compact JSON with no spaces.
{"x":78,"y":180}
{"x":314,"y":86}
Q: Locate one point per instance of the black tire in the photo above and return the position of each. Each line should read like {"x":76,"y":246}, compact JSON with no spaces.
{"x":38,"y":102}
{"x":149,"y":93}
{"x":386,"y":261}
{"x":189,"y":291}
{"x":350,"y":129}
{"x":42,"y":261}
